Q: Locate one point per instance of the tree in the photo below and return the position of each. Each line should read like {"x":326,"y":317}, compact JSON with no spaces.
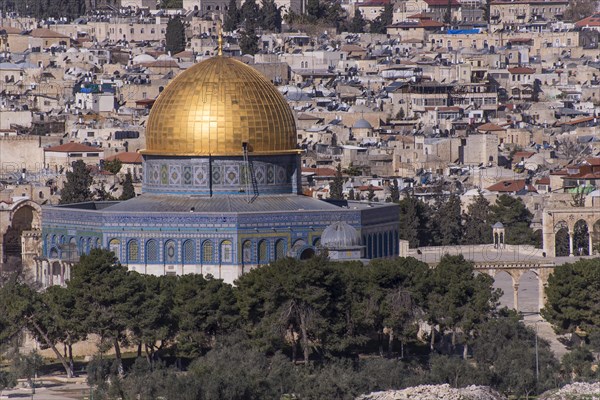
{"x":271,"y":16}
{"x":64,"y":322}
{"x":113,"y":166}
{"x":370,"y":193}
{"x":537,"y":89}
{"x":414,"y":221}
{"x":249,"y":42}
{"x":175,"y":36}
{"x":477,"y":222}
{"x":290,"y":303}
{"x":250,"y":14}
{"x":572,"y":305}
{"x":128,"y":190}
{"x":205,"y":310}
{"x":336,"y":189}
{"x":77,"y":186}
{"x":395,"y":191}
{"x":379,"y":24}
{"x":27,"y":366}
{"x":579,"y":9}
{"x":232,"y":18}
{"x":448,"y":221}
{"x":507,"y":350}
{"x":459,"y":299}
{"x":358,"y":23}
{"x":23,"y":308}
{"x":515,"y":217}
{"x":104,"y":289}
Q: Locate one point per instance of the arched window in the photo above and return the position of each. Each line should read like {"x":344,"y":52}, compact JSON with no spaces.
{"x":151,"y":251}
{"x":226,"y":251}
{"x":133,"y":251}
{"x":263,"y":252}
{"x":247,"y":252}
{"x":97,"y":243}
{"x":207,"y":252}
{"x":188,"y":253}
{"x":115,"y":246}
{"x":279,"y":249}
{"x":317,"y":242}
{"x":88,"y":245}
{"x":170,"y":252}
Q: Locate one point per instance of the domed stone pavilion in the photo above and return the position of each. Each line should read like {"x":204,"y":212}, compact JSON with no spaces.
{"x":221,"y":189}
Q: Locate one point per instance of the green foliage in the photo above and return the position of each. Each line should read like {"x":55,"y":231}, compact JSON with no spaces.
{"x":515,"y":217}
{"x":205,"y":310}
{"x":77,"y":186}
{"x":447,"y":221}
{"x":455,"y":371}
{"x":271,"y":16}
{"x":43,"y":9}
{"x":395,"y":191}
{"x":26,"y":366}
{"x":358,"y":23}
{"x":128,"y":189}
{"x":370,"y":193}
{"x":113,"y":166}
{"x":573,"y":303}
{"x":507,"y":350}
{"x":171,"y":4}
{"x":175,"y":36}
{"x":578,"y":365}
{"x":336,"y":189}
{"x":379,"y":25}
{"x":249,"y":42}
{"x":477,"y":222}
{"x":251,"y":15}
{"x":414,"y":221}
{"x":459,"y":299}
{"x":579,"y":9}
{"x":232,"y":18}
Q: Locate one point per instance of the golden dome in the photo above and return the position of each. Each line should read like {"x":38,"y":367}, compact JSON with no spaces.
{"x":214,"y":107}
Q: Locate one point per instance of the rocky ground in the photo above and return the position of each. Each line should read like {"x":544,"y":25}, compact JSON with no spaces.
{"x":574,"y":391}
{"x":436,"y":392}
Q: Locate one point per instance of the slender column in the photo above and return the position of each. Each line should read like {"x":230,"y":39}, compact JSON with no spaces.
{"x":516,"y":296}
{"x":541,"y":293}
{"x":571,"y":244}
{"x":590,"y":243}
{"x":62,"y":273}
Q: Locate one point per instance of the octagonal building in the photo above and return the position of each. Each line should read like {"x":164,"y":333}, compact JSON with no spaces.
{"x":221,"y":190}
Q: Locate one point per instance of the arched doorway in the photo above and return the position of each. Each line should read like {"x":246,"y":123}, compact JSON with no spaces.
{"x":307,"y":254}
{"x":561,"y":240}
{"x":504,"y":282}
{"x":596,"y":238}
{"x":22,"y":220}
{"x":529,"y":293}
{"x":581,"y":239}
{"x":538,"y":239}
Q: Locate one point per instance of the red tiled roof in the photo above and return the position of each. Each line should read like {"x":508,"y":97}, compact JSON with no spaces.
{"x":543,"y":181}
{"x":592,"y":20}
{"x":521,"y":70}
{"x":489,"y":127}
{"x":453,"y":3}
{"x":126,"y":158}
{"x":593,"y":161}
{"x":72,"y":146}
{"x":522,"y":154}
{"x":578,"y":121}
{"x":320,"y":171}
{"x":365,"y":188}
{"x":511,"y":186}
{"x":47,"y":33}
{"x":10,"y":30}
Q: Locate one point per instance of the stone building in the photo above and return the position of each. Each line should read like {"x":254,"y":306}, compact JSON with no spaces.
{"x":221,"y":189}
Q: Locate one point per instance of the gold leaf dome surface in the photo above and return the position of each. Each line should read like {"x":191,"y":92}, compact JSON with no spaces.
{"x":215,"y":106}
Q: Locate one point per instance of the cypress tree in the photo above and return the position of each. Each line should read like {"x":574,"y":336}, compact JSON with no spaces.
{"x":175,"y":36}
{"x":336,"y":189}
{"x":128,"y":190}
{"x":232,"y":19}
{"x":77,"y":186}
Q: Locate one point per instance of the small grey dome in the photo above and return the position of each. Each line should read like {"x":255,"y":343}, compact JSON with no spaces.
{"x":498,"y":225}
{"x":340,"y":235}
{"x":362,"y":124}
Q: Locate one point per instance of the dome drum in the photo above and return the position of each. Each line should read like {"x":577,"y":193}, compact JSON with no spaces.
{"x":207,"y":176}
